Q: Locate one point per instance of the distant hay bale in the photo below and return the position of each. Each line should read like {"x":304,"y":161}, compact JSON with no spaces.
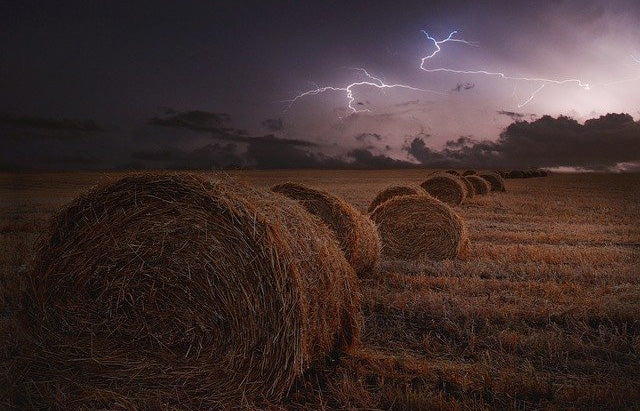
{"x":494,"y":179}
{"x":445,"y":187}
{"x":420,"y":227}
{"x":168,"y":291}
{"x":470,"y":192}
{"x":544,"y":173}
{"x":355,"y":232}
{"x":516,"y":174}
{"x":390,"y":192}
{"x":453,"y":172}
{"x":480,"y":185}
{"x":502,"y":173}
{"x":469,"y":172}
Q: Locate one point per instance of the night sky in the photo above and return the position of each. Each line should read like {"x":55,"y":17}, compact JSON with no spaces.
{"x":197,"y":84}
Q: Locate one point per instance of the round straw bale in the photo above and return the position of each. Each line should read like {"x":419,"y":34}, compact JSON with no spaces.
{"x":355,"y":232}
{"x":469,"y":190}
{"x":391,"y":192}
{"x":480,"y":185}
{"x":453,"y":172}
{"x":502,"y":173}
{"x":516,"y":174}
{"x":494,"y":179}
{"x":445,"y":187}
{"x":420,"y":227}
{"x":469,"y":172}
{"x":168,"y":291}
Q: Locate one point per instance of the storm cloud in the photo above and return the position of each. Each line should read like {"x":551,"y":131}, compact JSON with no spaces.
{"x":600,"y":143}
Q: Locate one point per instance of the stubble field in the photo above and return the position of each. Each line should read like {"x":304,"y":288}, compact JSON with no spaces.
{"x":544,"y":312}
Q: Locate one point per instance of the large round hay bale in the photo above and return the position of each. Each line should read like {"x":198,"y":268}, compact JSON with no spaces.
{"x":469,"y":172}
{"x":480,"y":185}
{"x":453,"y":172}
{"x":168,"y":291}
{"x":420,"y":227}
{"x":390,"y":192}
{"x":494,"y":179}
{"x":355,"y":232}
{"x":516,"y":174}
{"x":445,"y":187}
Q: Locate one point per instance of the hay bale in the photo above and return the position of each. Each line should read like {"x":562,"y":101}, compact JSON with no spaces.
{"x":469,"y":172}
{"x":445,"y":187}
{"x":480,"y":185}
{"x":516,"y":174}
{"x":167,"y":291}
{"x":470,"y":192}
{"x":502,"y":173}
{"x":390,"y":192}
{"x":420,"y":227}
{"x":496,"y":182}
{"x":453,"y":172}
{"x":355,"y":232}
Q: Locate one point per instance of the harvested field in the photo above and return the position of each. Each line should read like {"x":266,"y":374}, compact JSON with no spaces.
{"x":543,"y":312}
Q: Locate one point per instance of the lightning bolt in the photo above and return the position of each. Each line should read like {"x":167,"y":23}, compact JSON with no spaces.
{"x":531,"y":97}
{"x":372,"y":81}
{"x":452,"y":38}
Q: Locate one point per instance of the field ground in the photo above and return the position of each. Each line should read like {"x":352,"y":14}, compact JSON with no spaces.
{"x":543,"y":313}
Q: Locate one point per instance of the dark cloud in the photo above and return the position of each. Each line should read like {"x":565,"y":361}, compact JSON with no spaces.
{"x":363,"y":158}
{"x":196,"y":120}
{"x":261,"y":154}
{"x":419,"y":150}
{"x":368,"y":136}
{"x":460,"y":142}
{"x":55,"y":124}
{"x":273,"y":124}
{"x":210,"y":156}
{"x":598,"y":144}
{"x":512,"y":114}
{"x":463,"y":86}
{"x":219,"y":125}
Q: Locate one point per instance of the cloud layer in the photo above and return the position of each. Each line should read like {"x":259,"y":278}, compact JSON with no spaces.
{"x":208,"y":140}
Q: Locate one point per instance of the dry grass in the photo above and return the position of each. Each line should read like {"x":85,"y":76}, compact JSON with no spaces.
{"x":542,"y":313}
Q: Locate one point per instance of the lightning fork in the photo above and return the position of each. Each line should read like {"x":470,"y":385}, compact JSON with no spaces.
{"x":452,"y":38}
{"x":372,"y":81}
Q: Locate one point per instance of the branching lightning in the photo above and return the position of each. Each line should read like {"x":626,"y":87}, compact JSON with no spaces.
{"x":452,"y":38}
{"x":372,"y":81}
{"x":378,"y":83}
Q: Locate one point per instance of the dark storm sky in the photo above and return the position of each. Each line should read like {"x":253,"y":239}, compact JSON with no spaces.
{"x":120,"y":65}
